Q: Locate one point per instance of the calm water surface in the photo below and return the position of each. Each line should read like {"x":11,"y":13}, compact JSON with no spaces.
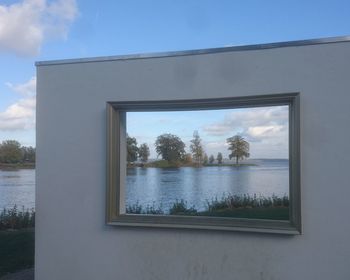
{"x":17,"y":187}
{"x":163,"y":186}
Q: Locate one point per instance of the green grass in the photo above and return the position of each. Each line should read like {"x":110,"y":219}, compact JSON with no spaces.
{"x":246,"y":201}
{"x":16,"y":239}
{"x":12,"y":218}
{"x":270,"y":213}
{"x":138,"y":209}
{"x":17,"y":250}
{"x":180,"y":208}
{"x":234,"y":206}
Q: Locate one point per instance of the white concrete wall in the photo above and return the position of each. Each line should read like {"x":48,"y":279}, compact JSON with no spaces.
{"x":72,"y":240}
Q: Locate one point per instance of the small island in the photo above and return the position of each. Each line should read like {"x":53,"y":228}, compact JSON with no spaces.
{"x":171,"y":149}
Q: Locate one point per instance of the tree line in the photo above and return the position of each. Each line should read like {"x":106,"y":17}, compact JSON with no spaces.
{"x":171,"y":148}
{"x":11,"y":152}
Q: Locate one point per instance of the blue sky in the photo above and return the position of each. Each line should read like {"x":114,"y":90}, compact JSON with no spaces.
{"x":32,"y":30}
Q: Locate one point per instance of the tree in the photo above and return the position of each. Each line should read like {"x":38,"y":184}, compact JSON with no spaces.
{"x":170,"y":147}
{"x":28,"y":154}
{"x":205,"y":159}
{"x":211,"y":159}
{"x":219,"y":158}
{"x":144,"y":152}
{"x":132,"y":149}
{"x":188,"y":158}
{"x":239,"y":147}
{"x":10,"y":151}
{"x":196,"y":148}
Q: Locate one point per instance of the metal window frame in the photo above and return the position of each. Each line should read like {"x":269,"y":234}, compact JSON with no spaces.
{"x":116,"y":167}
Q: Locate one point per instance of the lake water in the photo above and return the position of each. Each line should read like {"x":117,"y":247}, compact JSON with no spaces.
{"x":17,"y":187}
{"x":163,"y":186}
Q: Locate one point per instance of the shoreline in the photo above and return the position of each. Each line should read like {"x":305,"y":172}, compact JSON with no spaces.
{"x":167,"y":164}
{"x":16,"y":166}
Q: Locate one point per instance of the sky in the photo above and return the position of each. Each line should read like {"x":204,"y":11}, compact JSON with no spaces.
{"x":36,"y":30}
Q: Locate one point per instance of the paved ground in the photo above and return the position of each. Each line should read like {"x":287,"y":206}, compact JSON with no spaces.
{"x":27,"y":274}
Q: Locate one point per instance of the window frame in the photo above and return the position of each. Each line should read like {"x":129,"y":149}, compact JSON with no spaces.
{"x":116,"y":172}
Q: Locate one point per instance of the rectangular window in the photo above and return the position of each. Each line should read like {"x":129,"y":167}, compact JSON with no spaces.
{"x":221,"y":164}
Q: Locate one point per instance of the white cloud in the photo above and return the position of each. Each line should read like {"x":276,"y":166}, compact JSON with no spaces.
{"x":213,"y":147}
{"x":267,"y":131}
{"x":25,"y":25}
{"x":265,"y":128}
{"x":255,"y":123}
{"x":218,"y":129}
{"x":26,"y":89}
{"x":215,"y":144}
{"x":20,"y":115}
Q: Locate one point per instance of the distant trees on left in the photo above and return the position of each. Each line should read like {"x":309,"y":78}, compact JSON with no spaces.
{"x":132,"y":149}
{"x":134,"y":152}
{"x":28,"y":154}
{"x":11,"y":152}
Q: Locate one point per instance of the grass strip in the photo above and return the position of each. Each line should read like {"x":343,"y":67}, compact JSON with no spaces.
{"x":17,"y":250}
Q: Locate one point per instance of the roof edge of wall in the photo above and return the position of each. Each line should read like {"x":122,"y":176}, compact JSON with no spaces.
{"x":298,"y":43}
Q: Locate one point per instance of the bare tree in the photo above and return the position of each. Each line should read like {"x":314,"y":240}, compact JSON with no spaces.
{"x":197,"y":148}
